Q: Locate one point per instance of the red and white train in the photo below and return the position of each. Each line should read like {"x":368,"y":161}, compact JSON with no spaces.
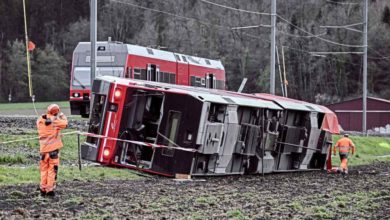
{"x":172,"y":129}
{"x":137,"y":62}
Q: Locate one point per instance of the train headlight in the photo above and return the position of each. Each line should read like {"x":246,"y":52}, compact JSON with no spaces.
{"x":106,"y":152}
{"x":117,"y":93}
{"x":76,"y":95}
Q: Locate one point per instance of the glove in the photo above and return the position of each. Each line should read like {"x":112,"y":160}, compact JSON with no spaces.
{"x":47,"y":121}
{"x":61,"y":115}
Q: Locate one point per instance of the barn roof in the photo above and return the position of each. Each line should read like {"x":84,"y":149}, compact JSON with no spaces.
{"x":354,"y":99}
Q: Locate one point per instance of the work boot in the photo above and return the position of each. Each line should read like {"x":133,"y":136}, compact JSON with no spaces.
{"x":50,"y":194}
{"x":43,"y":193}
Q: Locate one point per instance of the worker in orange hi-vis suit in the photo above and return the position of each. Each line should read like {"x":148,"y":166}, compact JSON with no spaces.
{"x":345,"y":145}
{"x":49,"y":126}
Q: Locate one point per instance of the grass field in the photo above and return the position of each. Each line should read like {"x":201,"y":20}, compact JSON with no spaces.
{"x":368,"y":150}
{"x":29,"y":105}
{"x":27,"y":108}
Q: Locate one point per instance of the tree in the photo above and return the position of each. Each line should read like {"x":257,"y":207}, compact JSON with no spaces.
{"x":50,"y":78}
{"x":15,"y":80}
{"x":386,"y":15}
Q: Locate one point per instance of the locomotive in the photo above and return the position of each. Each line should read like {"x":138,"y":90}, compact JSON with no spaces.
{"x":171,"y":129}
{"x":133,"y":61}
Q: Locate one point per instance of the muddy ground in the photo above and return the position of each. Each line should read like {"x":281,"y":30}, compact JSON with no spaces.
{"x":364,"y":194}
{"x":22,"y":124}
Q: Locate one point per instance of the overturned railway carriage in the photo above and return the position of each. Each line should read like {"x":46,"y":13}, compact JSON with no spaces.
{"x":185,"y":130}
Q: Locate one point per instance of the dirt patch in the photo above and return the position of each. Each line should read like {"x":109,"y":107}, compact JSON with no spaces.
{"x":21,"y":125}
{"x":362,"y":194}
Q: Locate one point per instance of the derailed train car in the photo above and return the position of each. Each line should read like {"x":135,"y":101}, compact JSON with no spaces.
{"x":176,"y":129}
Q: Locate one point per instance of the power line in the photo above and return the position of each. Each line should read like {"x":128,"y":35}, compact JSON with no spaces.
{"x":347,"y":27}
{"x":226,"y":28}
{"x":343,"y":3}
{"x":323,"y":39}
{"x":342,"y":26}
{"x":182,"y":17}
{"x":164,"y":12}
{"x":235,"y":9}
{"x":303,"y":36}
{"x":332,"y":58}
{"x":253,"y":26}
{"x":336,"y":52}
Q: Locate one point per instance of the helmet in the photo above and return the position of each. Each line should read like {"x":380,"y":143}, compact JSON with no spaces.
{"x":53,"y":109}
{"x":346,"y":135}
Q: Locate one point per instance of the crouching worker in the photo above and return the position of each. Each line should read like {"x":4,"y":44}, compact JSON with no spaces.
{"x":49,"y":126}
{"x":345,"y":145}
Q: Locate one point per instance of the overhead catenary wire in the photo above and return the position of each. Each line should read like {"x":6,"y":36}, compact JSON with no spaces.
{"x":225,"y":28}
{"x":318,"y":37}
{"x":343,"y":3}
{"x":347,"y":27}
{"x":342,"y":26}
{"x":169,"y":13}
{"x":252,"y":26}
{"x":235,"y":9}
{"x":303,"y":36}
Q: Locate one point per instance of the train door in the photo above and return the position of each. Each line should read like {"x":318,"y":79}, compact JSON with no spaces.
{"x":128,"y":72}
{"x":182,"y":71}
{"x":153,"y":72}
{"x":211,"y":81}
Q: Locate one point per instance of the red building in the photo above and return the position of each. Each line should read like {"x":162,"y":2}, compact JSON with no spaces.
{"x":350,"y":113}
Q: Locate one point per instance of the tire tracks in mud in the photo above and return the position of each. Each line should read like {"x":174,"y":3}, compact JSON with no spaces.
{"x":362,"y":194}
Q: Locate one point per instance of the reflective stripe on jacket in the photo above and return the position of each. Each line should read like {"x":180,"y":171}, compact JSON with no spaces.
{"x":49,"y":135}
{"x":345,"y":145}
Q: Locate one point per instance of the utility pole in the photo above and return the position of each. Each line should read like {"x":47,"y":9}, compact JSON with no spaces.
{"x":93,"y":34}
{"x":273,"y":35}
{"x":365,"y":67}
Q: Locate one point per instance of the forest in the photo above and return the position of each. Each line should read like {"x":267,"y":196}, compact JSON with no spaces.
{"x":214,"y":29}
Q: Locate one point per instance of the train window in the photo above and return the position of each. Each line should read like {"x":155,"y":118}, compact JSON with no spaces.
{"x":82,"y":76}
{"x":161,"y":77}
{"x":203,"y":81}
{"x":150,"y":51}
{"x":143,"y":74}
{"x":192,"y":81}
{"x":166,"y":77}
{"x":137,"y":73}
{"x":208,"y":62}
{"x":172,"y":78}
{"x":184,"y":58}
{"x":173,"y":129}
{"x":177,"y":57}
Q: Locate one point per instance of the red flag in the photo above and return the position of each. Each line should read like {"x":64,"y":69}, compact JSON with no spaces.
{"x":31,"y":46}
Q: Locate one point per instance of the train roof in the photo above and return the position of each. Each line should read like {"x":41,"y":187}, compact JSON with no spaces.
{"x":203,"y":94}
{"x":117,"y":47}
{"x":292,"y":104}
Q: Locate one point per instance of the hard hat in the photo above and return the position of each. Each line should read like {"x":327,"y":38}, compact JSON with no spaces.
{"x":346,"y":135}
{"x":53,"y":109}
